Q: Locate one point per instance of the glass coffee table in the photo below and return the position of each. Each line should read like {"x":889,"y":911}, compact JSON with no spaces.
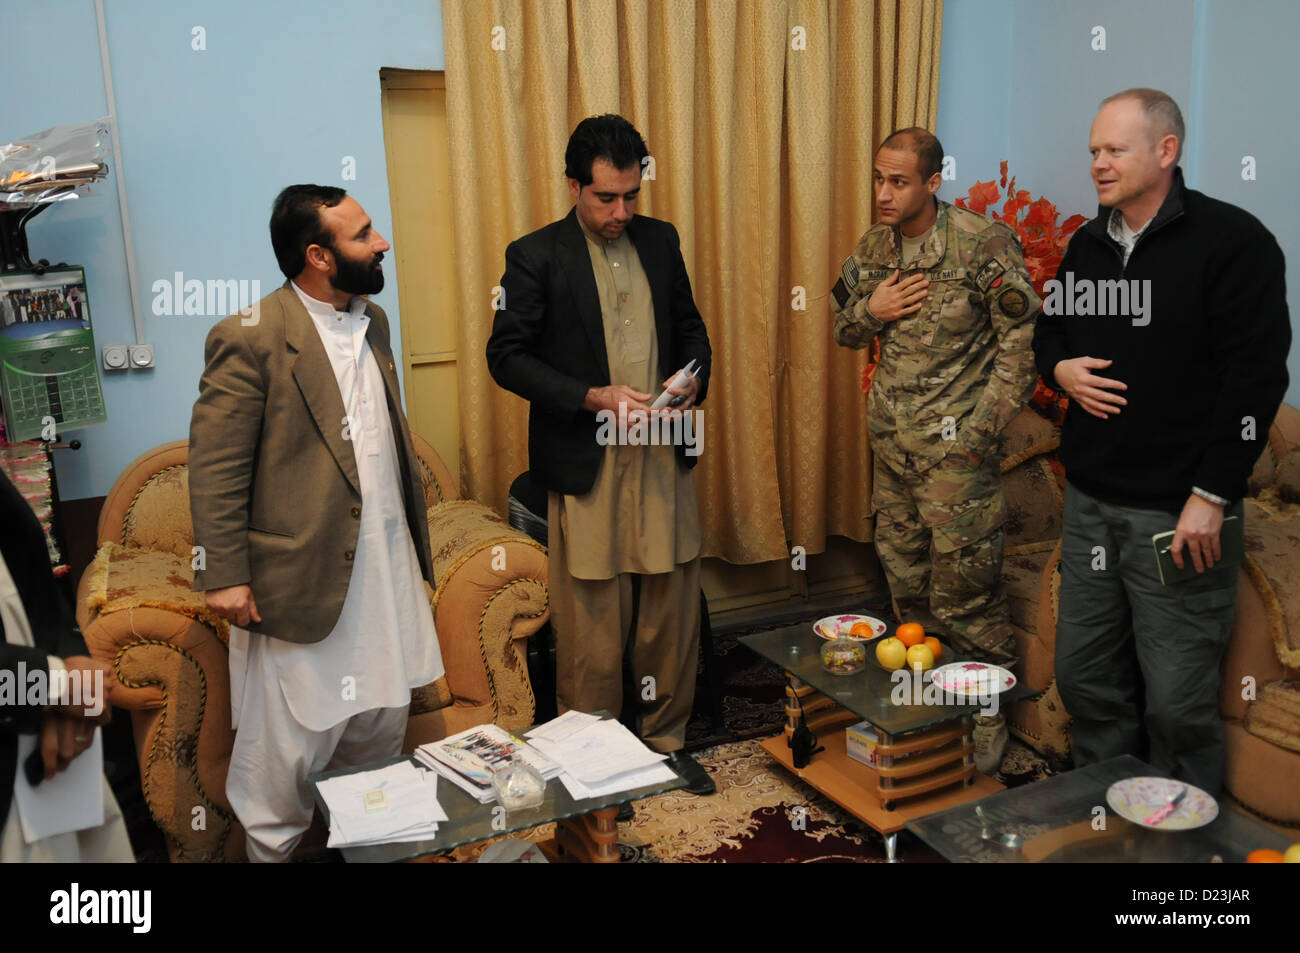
{"x":1066,"y":819}
{"x":925,"y":757}
{"x":586,"y":830}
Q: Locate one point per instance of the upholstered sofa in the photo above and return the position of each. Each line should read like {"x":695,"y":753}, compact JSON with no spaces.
{"x":1260,"y":696}
{"x":136,"y":610}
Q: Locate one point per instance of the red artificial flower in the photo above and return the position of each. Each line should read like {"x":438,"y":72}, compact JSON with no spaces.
{"x":1044,"y":245}
{"x":1071,"y":224}
{"x":873,"y":361}
{"x":1041,"y":212}
{"x":982,"y":195}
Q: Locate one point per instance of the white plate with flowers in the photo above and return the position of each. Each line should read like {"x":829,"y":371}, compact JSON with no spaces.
{"x":841,"y":627}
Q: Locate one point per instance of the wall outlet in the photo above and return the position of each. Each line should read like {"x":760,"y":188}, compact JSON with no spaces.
{"x":141,"y":356}
{"x":115,"y":357}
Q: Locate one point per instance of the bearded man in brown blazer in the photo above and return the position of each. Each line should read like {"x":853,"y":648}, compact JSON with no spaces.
{"x":307,"y":505}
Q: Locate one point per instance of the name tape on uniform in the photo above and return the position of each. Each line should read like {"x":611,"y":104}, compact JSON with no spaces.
{"x":846,"y":288}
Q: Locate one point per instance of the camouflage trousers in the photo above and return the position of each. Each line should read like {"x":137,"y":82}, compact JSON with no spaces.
{"x":939,"y":537}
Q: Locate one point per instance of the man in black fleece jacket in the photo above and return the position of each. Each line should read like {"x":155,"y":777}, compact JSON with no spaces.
{"x":1167,"y":325}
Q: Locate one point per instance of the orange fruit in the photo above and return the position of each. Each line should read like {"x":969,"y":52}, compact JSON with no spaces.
{"x":1265,"y":856}
{"x":933,"y":644}
{"x":910,"y":633}
{"x":861,"y":630}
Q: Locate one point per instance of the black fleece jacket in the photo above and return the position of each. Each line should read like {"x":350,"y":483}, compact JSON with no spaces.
{"x":1205,"y":364}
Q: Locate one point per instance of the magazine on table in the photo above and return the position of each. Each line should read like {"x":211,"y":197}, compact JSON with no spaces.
{"x":470,"y":758}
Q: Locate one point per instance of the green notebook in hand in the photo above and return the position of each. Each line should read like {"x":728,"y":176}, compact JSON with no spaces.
{"x":1231,"y":546}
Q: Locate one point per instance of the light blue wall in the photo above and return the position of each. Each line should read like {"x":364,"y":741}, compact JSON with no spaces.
{"x":209,"y":137}
{"x":282,"y":93}
{"x":975,"y":93}
{"x":1248,"y":109}
{"x":1019,"y":80}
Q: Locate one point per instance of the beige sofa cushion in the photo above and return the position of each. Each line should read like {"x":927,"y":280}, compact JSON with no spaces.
{"x":1275,"y":715}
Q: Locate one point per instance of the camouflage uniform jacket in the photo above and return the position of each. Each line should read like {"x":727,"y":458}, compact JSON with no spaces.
{"x":966,"y":354}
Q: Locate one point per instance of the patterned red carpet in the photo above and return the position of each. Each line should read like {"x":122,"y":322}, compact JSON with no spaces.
{"x":761,"y":814}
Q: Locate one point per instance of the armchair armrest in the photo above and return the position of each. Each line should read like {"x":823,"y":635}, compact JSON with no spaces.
{"x":173,"y":671}
{"x":491,"y":596}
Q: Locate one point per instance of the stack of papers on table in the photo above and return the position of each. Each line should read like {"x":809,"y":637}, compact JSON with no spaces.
{"x":469,"y":759}
{"x":385,"y":806}
{"x":599,"y":756}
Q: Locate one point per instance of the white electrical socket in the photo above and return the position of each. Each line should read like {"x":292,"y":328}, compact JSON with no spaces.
{"x":115,"y":357}
{"x":142,"y":356}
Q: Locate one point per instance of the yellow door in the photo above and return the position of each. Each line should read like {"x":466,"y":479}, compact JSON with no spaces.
{"x":419,"y":182}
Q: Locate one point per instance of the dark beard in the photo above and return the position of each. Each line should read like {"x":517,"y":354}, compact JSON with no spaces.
{"x":358,"y":277}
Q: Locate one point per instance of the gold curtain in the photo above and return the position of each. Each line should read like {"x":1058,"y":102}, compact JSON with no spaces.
{"x":762,"y":117}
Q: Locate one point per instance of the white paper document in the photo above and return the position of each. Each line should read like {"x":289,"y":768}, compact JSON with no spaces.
{"x":557,"y":729}
{"x":389,"y":805}
{"x":627,"y":781}
{"x":598,"y":752}
{"x":72,"y":800}
{"x":600,"y":756}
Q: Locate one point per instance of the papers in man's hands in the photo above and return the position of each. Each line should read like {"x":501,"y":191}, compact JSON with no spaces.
{"x":600,"y":757}
{"x":468,"y":759}
{"x":72,"y":800}
{"x":385,"y":806}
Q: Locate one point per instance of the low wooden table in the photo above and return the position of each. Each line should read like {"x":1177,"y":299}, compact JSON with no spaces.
{"x":925,"y":753}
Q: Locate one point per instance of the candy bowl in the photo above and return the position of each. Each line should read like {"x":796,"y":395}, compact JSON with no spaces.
{"x":844,"y":656}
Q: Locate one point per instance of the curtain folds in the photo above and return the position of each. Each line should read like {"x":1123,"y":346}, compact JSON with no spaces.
{"x":761,"y":117}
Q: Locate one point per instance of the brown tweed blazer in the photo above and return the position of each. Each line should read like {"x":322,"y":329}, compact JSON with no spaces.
{"x":274,"y":492}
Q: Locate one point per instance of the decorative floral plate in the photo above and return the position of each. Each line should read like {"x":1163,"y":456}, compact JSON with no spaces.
{"x":973,"y":678}
{"x":1136,"y":799}
{"x":838,"y":626}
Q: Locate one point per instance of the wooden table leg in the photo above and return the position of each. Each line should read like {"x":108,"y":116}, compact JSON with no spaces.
{"x":588,"y":838}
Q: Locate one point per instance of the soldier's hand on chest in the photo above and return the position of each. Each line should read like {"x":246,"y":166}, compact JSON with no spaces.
{"x":895,"y":298}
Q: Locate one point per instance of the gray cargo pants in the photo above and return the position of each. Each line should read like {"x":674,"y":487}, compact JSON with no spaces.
{"x":1117,"y":622}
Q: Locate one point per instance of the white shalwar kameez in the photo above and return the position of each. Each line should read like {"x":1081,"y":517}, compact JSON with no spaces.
{"x":302,"y":708}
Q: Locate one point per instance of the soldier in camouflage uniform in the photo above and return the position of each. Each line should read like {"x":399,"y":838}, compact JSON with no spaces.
{"x":953,"y":309}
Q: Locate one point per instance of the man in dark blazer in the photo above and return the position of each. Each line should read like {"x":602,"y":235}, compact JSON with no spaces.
{"x":598,"y":316}
{"x":310,"y":520}
{"x":38,"y":637}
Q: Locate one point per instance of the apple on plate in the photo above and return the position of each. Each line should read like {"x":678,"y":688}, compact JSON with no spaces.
{"x":920,"y":656}
{"x":891,"y":653}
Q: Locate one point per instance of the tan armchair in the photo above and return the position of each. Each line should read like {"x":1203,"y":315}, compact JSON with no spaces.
{"x":136,"y":610}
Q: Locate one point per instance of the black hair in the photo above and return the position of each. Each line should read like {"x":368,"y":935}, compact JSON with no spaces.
{"x":922,"y":142}
{"x":296,"y":224}
{"x":607,"y":137}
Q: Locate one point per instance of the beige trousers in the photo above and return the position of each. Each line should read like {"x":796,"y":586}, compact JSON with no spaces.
{"x":592,"y":621}
{"x":106,"y":844}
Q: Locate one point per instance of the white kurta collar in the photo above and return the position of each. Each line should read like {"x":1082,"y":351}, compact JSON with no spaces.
{"x":325,"y":312}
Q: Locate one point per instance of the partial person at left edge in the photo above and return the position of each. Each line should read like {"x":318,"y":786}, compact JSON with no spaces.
{"x":307,"y":504}
{"x":38,"y":637}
